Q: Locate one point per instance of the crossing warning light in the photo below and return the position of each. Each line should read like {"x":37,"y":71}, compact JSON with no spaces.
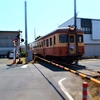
{"x":22,"y":40}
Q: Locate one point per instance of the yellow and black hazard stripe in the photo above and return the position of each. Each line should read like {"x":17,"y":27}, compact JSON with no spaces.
{"x":72,"y":71}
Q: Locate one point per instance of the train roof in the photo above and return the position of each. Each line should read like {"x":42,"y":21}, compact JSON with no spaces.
{"x":59,"y":30}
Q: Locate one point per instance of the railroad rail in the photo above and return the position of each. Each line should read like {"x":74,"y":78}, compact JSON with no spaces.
{"x":71,"y":70}
{"x":81,"y":69}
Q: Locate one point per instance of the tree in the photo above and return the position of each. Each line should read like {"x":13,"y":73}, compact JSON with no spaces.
{"x":38,"y":37}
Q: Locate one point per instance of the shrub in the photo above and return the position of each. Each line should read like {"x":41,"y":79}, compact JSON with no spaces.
{"x":22,"y":54}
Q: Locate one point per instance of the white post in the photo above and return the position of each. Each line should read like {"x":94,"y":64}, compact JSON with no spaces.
{"x":14,"y":57}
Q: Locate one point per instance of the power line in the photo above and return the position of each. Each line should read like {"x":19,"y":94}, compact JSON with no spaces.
{"x":46,"y":16}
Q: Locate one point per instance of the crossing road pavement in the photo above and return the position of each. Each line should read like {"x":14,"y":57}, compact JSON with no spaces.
{"x":38,"y":82}
{"x":6,"y":61}
{"x":18,"y":82}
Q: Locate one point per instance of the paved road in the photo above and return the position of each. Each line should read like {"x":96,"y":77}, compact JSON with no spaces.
{"x":19,"y":82}
{"x":6,"y":61}
{"x":93,"y":64}
{"x":40,"y":82}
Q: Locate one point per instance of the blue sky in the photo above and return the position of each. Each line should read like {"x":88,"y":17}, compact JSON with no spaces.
{"x":43,"y":15}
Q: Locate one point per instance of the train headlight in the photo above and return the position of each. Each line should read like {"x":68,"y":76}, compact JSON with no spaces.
{"x":72,"y":28}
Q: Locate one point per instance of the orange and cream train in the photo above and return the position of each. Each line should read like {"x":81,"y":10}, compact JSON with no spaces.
{"x":65,"y":44}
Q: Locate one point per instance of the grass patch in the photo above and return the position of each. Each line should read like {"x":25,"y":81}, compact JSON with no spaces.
{"x":23,"y":59}
{"x":94,"y":89}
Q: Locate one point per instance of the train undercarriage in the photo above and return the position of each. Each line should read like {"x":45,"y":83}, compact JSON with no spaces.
{"x":68,"y":59}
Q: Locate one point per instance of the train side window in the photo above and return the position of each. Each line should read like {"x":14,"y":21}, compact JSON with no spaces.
{"x":63,"y":38}
{"x":44,"y":42}
{"x":54,"y":40}
{"x":47,"y":42}
{"x":80,"y":38}
{"x":50,"y":41}
{"x":39,"y":44}
{"x":71,"y":38}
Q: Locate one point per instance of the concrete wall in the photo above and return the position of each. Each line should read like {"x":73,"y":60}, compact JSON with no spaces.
{"x":95,"y":30}
{"x":88,"y":39}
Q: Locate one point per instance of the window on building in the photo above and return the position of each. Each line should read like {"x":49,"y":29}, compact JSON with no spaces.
{"x":87,"y":30}
{"x":50,"y":41}
{"x":63,"y":38}
{"x":80,"y":38}
{"x":86,"y":25}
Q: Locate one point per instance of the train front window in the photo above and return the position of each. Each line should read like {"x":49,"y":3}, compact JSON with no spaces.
{"x":63,"y":38}
{"x":80,"y":38}
{"x":72,"y":39}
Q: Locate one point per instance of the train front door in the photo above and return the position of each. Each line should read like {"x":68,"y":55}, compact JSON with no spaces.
{"x":72,"y":45}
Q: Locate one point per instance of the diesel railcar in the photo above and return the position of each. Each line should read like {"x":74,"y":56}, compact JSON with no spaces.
{"x":65,"y":44}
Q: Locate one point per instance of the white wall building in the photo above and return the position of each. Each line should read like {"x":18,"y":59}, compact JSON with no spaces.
{"x":91,"y":28}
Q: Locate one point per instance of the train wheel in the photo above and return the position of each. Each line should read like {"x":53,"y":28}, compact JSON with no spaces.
{"x":69,"y":60}
{"x":76,"y":61}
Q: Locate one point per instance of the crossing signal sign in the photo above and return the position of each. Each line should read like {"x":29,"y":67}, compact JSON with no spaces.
{"x":15,"y":40}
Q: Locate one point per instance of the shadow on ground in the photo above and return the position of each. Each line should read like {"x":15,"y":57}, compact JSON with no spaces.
{"x":55,"y":68}
{"x":13,"y":65}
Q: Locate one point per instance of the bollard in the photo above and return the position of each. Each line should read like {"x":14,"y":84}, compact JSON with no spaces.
{"x":84,"y":91}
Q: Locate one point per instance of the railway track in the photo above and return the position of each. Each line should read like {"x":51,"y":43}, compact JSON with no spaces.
{"x":77,"y":68}
{"x":80,"y":68}
{"x":82,"y":71}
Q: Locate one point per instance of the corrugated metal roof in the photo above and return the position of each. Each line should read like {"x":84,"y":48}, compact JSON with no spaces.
{"x":10,"y":31}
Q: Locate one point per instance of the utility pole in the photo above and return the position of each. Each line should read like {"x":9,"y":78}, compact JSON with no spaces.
{"x":75,"y":13}
{"x":26,"y":46}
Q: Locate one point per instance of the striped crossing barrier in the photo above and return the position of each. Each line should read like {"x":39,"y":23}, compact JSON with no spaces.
{"x":72,"y":71}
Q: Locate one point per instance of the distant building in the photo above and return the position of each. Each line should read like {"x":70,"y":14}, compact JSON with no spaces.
{"x":6,"y":41}
{"x":91,"y":28}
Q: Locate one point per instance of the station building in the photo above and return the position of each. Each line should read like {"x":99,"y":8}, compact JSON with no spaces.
{"x":6,"y":41}
{"x":91,"y":28}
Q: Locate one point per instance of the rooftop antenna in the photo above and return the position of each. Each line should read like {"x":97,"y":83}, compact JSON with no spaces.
{"x":34,"y":34}
{"x":75,"y":13}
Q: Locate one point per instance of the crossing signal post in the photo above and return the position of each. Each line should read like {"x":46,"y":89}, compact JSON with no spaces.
{"x":16,"y":42}
{"x":26,"y":40}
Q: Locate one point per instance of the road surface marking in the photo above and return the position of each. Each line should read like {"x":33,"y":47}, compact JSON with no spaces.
{"x":24,"y":66}
{"x":64,"y":89}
